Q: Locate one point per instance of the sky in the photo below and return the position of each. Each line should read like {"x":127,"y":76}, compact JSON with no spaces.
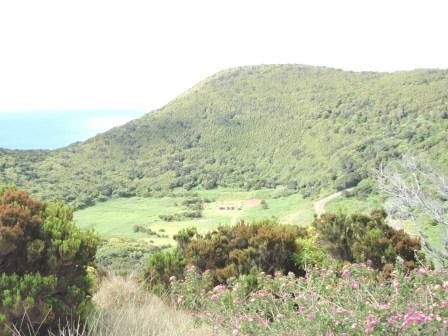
{"x":59,"y":57}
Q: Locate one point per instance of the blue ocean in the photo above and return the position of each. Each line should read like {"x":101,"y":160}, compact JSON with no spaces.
{"x":50,"y":130}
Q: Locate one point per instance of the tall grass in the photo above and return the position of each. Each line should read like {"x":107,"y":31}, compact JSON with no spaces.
{"x":123,"y":308}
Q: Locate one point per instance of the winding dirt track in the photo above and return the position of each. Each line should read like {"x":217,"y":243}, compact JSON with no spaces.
{"x":319,"y":206}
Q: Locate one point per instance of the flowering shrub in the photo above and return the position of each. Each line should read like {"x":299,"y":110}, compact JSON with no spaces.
{"x":356,"y":300}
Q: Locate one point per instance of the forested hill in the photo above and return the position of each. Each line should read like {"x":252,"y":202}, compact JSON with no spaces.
{"x":304,"y":127}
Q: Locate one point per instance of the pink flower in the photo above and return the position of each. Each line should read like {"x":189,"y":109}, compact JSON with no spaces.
{"x":346,"y":273}
{"x":214,"y":298}
{"x":354,"y":285}
{"x":395,"y":319}
{"x":414,"y":318}
{"x":219,"y":289}
{"x":383,"y":306}
{"x":422,"y":271}
{"x":395,"y":284}
{"x":372,"y":321}
{"x":354,"y":325}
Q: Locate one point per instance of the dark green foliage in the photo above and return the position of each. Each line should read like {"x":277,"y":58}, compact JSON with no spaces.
{"x":304,"y":128}
{"x":162,"y":266}
{"x":264,"y":204}
{"x":144,"y":229}
{"x":241,"y":250}
{"x":124,"y":256}
{"x":194,"y":204}
{"x":192,"y":214}
{"x":43,"y":262}
{"x":231,"y":251}
{"x":359,"y":238}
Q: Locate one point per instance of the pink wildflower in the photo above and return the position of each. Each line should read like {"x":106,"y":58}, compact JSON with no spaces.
{"x":414,"y":318}
{"x":422,"y":271}
{"x":394,"y":319}
{"x":354,"y":285}
{"x":214,"y":298}
{"x":219,"y":289}
{"x":372,"y":321}
{"x":384,"y":306}
{"x":346,"y":273}
{"x":395,"y":284}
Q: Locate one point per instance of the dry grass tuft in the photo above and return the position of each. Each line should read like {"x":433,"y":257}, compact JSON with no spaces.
{"x":126,"y":309}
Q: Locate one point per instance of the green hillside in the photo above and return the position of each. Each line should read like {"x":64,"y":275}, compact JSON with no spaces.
{"x":306,"y":128}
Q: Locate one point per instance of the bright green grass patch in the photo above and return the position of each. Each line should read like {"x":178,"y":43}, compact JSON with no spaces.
{"x":117,"y":217}
{"x":354,"y":205}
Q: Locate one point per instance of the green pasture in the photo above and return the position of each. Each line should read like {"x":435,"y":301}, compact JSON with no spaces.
{"x":116,"y":218}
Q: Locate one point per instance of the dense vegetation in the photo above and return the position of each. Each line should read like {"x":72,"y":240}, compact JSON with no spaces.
{"x":361,"y":238}
{"x":305,"y":128}
{"x":240,"y":250}
{"x":43,"y":264}
{"x":270,"y":279}
{"x":353,"y":300}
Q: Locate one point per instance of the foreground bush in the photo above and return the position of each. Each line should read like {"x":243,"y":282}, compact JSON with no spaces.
{"x":230,"y":251}
{"x":43,"y":264}
{"x":359,"y":238}
{"x":355,"y":300}
{"x":124,"y":308}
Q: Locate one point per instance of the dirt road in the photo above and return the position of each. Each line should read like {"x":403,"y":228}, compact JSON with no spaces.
{"x":319,"y":206}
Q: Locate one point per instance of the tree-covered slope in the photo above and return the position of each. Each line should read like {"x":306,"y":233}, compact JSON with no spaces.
{"x":261,"y":126}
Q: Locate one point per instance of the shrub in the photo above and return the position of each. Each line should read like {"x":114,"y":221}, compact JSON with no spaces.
{"x":359,"y":238}
{"x":360,"y":301}
{"x":264,"y":204}
{"x":43,"y":262}
{"x":231,"y":251}
{"x":161,"y":267}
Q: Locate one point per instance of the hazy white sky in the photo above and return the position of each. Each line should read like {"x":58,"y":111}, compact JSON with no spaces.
{"x":137,"y":55}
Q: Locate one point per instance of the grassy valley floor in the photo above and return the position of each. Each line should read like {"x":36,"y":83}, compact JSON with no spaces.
{"x":117,"y":218}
